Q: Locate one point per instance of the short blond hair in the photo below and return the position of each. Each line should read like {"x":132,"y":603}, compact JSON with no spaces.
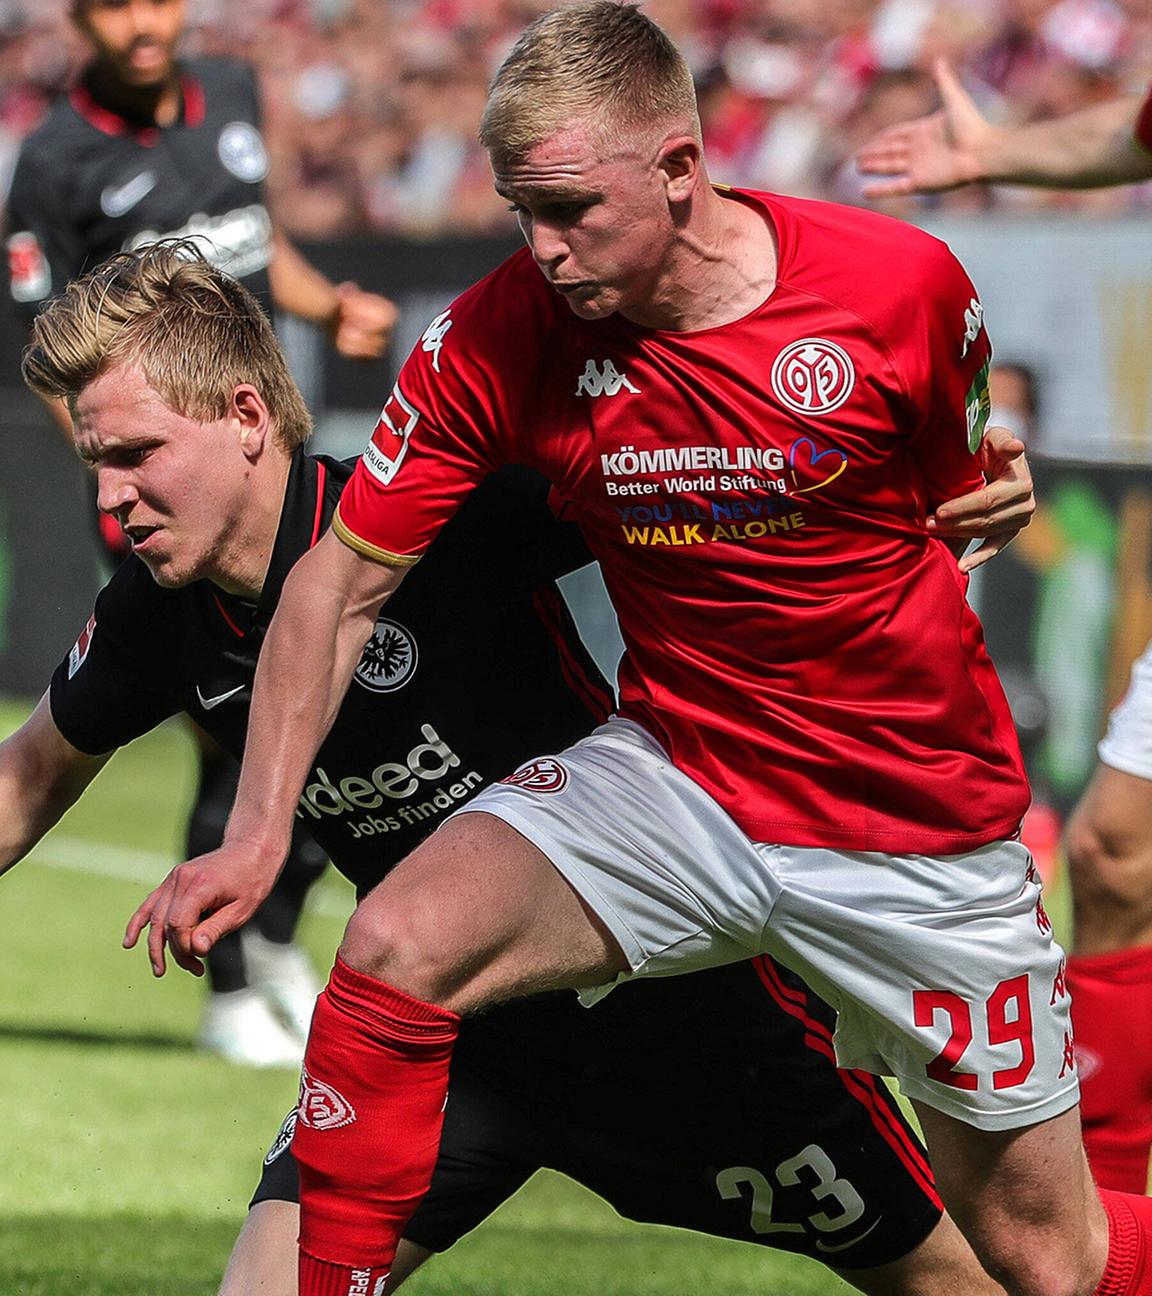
{"x":603,"y":62}
{"x":194,"y":332}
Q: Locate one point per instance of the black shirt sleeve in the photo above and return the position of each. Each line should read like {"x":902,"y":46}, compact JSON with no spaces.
{"x":44,"y":246}
{"x":117,"y":682}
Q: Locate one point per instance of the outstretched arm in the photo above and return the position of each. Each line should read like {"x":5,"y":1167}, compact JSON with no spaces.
{"x":957,"y":146}
{"x":41,"y":776}
{"x":326,"y":612}
{"x":359,"y":323}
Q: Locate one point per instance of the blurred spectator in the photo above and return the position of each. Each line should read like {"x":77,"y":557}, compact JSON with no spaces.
{"x":371,"y":105}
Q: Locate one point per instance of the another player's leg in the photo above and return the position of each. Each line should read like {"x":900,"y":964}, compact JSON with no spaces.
{"x":474,"y":915}
{"x":277,"y":966}
{"x":260,"y":991}
{"x":1109,"y":846}
{"x":263,"y":1261}
{"x":488,"y":1151}
{"x":970,"y":1011}
{"x":1020,"y":1196}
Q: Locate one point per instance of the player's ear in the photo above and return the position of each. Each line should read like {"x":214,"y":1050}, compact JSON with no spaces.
{"x":252,"y":420}
{"x":679,"y":164}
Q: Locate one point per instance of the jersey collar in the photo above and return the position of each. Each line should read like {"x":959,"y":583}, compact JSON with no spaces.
{"x":314,"y":486}
{"x":108,"y":122}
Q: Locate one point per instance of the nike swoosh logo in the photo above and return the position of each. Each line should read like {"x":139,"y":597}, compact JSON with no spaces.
{"x":843,"y":1246}
{"x":118,"y":200}
{"x":209,"y":703}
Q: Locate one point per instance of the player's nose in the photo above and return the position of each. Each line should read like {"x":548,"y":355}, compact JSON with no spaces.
{"x":115,"y":490}
{"x":547,"y":246}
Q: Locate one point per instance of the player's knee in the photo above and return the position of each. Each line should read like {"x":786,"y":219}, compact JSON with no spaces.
{"x":1033,"y":1266}
{"x":396,"y":943}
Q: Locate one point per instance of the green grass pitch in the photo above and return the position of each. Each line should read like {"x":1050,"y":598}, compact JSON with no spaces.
{"x":126,"y":1157}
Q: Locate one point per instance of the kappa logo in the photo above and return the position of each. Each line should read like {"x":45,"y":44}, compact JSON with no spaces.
{"x":28,"y":272}
{"x":283,"y":1138}
{"x":388,"y":661}
{"x":321,"y":1107}
{"x":118,"y":200}
{"x":362,"y":1284}
{"x":973,"y":323}
{"x":79,"y":653}
{"x":606,"y":380}
{"x":385,"y":450}
{"x":432,"y":339}
{"x":813,"y":376}
{"x":545,"y":775}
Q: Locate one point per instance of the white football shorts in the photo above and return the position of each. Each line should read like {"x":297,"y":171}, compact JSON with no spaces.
{"x":1127,"y":746}
{"x":943,"y":970}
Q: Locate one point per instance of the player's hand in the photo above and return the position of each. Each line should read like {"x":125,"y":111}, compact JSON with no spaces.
{"x":1000,"y":510}
{"x":363,"y":323}
{"x":930,"y":154}
{"x":199,"y":902}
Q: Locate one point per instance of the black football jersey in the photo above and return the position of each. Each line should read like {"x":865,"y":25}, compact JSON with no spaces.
{"x":89,"y":183}
{"x":474,"y":666}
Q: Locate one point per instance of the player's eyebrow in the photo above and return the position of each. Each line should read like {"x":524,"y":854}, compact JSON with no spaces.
{"x":547,"y":193}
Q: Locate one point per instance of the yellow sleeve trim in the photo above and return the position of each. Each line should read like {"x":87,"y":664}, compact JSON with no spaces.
{"x":353,"y":541}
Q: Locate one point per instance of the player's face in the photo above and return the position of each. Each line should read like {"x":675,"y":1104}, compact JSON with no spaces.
{"x":178,"y":487}
{"x":135,"y":38}
{"x":601,"y":228}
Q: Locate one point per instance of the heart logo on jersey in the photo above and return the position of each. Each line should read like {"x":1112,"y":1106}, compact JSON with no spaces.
{"x":814,"y":469}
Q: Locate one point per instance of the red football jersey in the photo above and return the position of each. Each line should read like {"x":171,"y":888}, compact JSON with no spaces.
{"x":756,"y":495}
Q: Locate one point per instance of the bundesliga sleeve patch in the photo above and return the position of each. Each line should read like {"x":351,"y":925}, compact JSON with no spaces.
{"x":79,"y":653}
{"x":28,"y":272}
{"x":385,"y":450}
{"x":977,"y":406}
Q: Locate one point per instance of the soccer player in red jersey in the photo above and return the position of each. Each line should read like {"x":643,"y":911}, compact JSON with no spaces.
{"x":1109,"y":838}
{"x":754,"y":404}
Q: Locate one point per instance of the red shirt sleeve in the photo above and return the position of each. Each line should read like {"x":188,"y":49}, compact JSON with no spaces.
{"x":945,"y":358}
{"x":448,"y":422}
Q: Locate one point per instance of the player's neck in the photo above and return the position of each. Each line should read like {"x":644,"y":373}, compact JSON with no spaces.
{"x":144,"y":105}
{"x":245,"y":553}
{"x":723,"y":268}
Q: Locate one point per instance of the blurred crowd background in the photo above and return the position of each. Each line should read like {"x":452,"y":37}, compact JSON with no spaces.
{"x":371,"y":105}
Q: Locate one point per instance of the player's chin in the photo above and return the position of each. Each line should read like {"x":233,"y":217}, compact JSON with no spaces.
{"x":593,"y":307}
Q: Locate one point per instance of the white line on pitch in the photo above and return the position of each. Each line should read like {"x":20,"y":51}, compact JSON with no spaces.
{"x":131,"y":864}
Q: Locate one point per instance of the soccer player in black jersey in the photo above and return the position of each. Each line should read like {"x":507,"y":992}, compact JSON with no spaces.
{"x":144,"y":146}
{"x":709,"y":1102}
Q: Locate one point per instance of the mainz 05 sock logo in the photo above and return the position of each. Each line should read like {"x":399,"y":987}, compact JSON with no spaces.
{"x":321,"y":1107}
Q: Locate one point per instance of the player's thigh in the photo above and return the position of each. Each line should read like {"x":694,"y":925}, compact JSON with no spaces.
{"x":1024,"y":1198}
{"x":943,"y":971}
{"x":478,"y":913}
{"x":664,"y":869}
{"x":748,"y":1129}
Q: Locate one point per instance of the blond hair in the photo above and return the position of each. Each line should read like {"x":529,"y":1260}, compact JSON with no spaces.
{"x":602,"y":62}
{"x":193,"y":331}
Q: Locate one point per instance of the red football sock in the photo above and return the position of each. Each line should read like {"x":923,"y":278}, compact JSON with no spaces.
{"x":1112,"y":1020}
{"x":1129,"y":1268}
{"x":368,"y":1129}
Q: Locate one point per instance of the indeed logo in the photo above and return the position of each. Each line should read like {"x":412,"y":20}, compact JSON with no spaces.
{"x":390,"y":780}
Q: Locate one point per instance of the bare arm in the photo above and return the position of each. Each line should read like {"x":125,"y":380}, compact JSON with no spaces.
{"x":41,"y":776}
{"x":360,"y":323}
{"x":957,"y":146}
{"x":326,"y":612}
